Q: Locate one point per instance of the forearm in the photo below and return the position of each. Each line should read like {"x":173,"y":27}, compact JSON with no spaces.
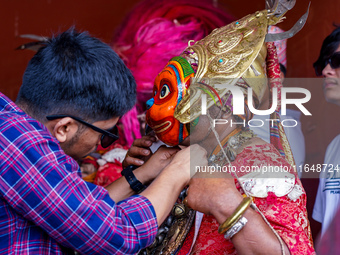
{"x":120,"y":189}
{"x":80,"y":214}
{"x":256,"y":237}
{"x":164,"y":191}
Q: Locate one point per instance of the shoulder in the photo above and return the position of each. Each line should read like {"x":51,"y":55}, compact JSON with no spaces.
{"x":335,"y":141}
{"x":17,"y":127}
{"x":333,"y":148}
{"x":24,"y":140}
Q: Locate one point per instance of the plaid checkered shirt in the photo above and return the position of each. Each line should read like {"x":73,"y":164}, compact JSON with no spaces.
{"x":45,"y":206}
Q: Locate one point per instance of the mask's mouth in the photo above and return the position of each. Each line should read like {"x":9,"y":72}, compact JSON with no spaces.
{"x":162,"y":127}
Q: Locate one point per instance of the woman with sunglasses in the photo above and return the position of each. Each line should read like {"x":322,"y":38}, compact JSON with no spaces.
{"x":328,"y":196}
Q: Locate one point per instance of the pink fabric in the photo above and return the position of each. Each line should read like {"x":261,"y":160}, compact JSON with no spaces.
{"x":157,"y":30}
{"x":153,"y":33}
{"x":131,"y":126}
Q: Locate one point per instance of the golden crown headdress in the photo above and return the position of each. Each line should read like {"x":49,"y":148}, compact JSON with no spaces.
{"x":234,"y":51}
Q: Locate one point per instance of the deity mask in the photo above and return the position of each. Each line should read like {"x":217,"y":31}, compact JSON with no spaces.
{"x":170,"y":87}
{"x":229,"y":53}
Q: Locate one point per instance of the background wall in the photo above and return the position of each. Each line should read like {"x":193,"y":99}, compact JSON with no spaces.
{"x":45,"y":17}
{"x":100,"y":18}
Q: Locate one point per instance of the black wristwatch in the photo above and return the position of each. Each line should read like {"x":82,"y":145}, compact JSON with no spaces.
{"x":135,"y":185}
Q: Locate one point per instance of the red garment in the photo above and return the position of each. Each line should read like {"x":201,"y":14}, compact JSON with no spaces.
{"x":274,"y":75}
{"x":111,"y":171}
{"x":209,"y":241}
{"x":273,"y":71}
{"x":108,"y":173}
{"x":188,"y":241}
{"x":287,"y":217}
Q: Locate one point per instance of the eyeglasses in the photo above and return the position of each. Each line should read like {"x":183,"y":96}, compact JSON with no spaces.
{"x":333,"y":60}
{"x":108,"y":137}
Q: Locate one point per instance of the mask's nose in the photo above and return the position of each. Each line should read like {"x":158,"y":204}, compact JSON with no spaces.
{"x":150,"y":103}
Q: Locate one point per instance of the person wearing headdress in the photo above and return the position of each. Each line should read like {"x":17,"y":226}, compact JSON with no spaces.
{"x":292,"y":129}
{"x":248,"y":208}
{"x":152,"y":33}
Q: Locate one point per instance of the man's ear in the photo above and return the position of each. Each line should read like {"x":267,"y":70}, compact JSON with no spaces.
{"x":64,"y":129}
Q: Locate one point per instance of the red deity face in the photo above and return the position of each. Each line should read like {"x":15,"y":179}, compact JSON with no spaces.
{"x":169,"y":88}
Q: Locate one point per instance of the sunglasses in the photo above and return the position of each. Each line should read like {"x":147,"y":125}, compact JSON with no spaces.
{"x":108,"y":137}
{"x":333,"y":60}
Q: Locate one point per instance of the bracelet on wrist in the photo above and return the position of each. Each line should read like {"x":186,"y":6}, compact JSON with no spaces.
{"x":235,"y":228}
{"x":236,"y":215}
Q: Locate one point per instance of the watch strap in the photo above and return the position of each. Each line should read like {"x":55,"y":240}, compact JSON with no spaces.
{"x":135,"y":184}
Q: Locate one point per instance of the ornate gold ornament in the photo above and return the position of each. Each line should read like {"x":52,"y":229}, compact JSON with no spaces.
{"x":231,"y":52}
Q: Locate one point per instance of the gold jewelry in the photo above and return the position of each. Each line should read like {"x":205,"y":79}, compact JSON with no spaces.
{"x":233,"y":144}
{"x":225,"y":140}
{"x":236,"y":215}
{"x":187,"y":191}
{"x":172,"y":232}
{"x":185,"y":202}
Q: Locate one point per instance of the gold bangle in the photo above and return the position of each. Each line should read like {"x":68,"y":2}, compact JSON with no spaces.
{"x":236,"y":215}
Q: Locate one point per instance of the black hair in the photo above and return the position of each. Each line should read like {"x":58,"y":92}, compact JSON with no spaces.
{"x":329,"y":46}
{"x":79,"y":75}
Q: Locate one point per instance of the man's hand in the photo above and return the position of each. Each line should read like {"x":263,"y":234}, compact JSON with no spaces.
{"x":165,"y":189}
{"x":139,"y":152}
{"x":213,"y":194}
{"x":217,"y":194}
{"x":182,"y":161}
{"x":157,"y":162}
{"x":145,"y":173}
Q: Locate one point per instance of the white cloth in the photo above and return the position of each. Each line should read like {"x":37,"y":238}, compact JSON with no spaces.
{"x":328,"y":196}
{"x":294,"y":134}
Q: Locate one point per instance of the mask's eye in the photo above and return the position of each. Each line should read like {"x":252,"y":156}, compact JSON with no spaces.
{"x":165,"y":91}
{"x":154,"y":93}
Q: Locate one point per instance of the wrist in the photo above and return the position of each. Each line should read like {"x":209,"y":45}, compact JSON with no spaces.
{"x":135,"y":184}
{"x":176,"y":175}
{"x":180,"y":172}
{"x":226,"y":208}
{"x":236,"y":221}
{"x":143,"y":175}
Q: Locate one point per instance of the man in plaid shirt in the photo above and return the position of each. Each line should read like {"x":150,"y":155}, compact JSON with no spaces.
{"x":74,"y":90}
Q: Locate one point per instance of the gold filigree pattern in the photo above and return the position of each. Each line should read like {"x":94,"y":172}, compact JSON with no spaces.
{"x":226,"y":63}
{"x":224,"y":43}
{"x":230,"y":52}
{"x":286,"y":147}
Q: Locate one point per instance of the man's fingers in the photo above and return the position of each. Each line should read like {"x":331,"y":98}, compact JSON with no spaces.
{"x":173,"y":150}
{"x":145,"y":141}
{"x":133,"y":161}
{"x":138,"y":152}
{"x":169,"y":151}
